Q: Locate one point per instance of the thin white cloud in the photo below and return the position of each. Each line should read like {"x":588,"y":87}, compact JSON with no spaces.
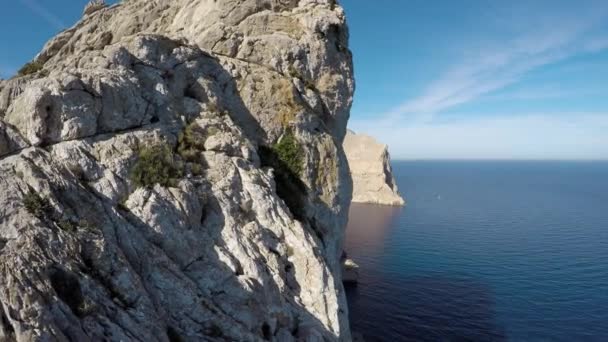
{"x":578,"y":136}
{"x":542,"y":92}
{"x":499,"y":64}
{"x":45,"y":14}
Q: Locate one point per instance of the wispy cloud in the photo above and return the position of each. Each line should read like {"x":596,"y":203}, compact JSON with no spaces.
{"x":539,"y":136}
{"x":44,"y":13}
{"x":542,"y":92}
{"x":495,"y":65}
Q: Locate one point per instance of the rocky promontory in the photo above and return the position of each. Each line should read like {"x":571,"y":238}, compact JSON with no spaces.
{"x":173,"y":170}
{"x":370,"y":167}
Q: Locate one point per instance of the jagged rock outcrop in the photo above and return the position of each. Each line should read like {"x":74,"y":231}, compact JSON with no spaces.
{"x":93,"y":6}
{"x":173,"y":171}
{"x":371,"y":171}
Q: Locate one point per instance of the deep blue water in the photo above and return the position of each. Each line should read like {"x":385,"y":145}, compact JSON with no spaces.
{"x":485,"y":251}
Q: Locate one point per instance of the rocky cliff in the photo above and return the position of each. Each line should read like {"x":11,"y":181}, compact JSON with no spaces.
{"x":372,"y":175}
{"x":172,"y":170}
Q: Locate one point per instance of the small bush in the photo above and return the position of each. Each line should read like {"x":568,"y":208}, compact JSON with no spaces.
{"x":289,"y":151}
{"x":36,"y":205}
{"x":30,"y":68}
{"x":191,"y":143}
{"x":156,"y":165}
{"x":196,"y":169}
{"x":286,"y":158}
{"x":293,"y":72}
{"x":67,"y":226}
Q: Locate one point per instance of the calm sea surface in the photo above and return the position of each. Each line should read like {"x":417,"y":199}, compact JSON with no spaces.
{"x":485,"y":251}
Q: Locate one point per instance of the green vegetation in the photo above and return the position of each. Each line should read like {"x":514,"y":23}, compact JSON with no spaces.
{"x":197,"y":169}
{"x":192,"y":143}
{"x":290,"y":153}
{"x":72,"y":225}
{"x":42,"y":209}
{"x":293,"y":72}
{"x":30,"y":68}
{"x":286,"y":158}
{"x":36,"y":205}
{"x":67,"y":226}
{"x":156,"y":165}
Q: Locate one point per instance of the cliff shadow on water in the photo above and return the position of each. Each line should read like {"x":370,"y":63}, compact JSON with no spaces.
{"x":392,"y":303}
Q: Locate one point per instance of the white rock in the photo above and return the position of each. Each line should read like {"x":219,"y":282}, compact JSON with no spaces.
{"x":370,"y":167}
{"x":350,"y":271}
{"x":216,"y":254}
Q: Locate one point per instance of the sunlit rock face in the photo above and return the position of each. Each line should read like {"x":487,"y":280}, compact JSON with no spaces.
{"x":370,"y":165}
{"x":173,"y":170}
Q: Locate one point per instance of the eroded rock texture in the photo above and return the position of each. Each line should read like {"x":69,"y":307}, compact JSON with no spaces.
{"x":372,"y":174}
{"x":248,"y":102}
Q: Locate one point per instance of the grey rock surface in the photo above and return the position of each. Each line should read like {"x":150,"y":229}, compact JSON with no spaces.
{"x":372,"y":174}
{"x":222,"y":252}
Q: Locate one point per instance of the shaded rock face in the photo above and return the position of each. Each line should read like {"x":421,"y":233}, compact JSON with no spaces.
{"x":372,"y":175}
{"x":214,"y":253}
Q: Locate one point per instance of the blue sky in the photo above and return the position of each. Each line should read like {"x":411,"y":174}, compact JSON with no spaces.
{"x":472,"y":79}
{"x":482,"y":79}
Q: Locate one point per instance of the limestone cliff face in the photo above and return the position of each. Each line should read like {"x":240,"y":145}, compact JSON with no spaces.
{"x":370,"y":166}
{"x":172,"y":170}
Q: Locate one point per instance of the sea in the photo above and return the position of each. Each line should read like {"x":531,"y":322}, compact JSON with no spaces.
{"x":484,"y":251}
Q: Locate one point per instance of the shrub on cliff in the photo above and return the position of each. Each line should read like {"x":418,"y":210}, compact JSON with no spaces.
{"x":36,"y":205}
{"x":156,"y":165}
{"x":191,"y":143}
{"x":290,"y":153}
{"x":286,"y":157}
{"x":30,"y":68}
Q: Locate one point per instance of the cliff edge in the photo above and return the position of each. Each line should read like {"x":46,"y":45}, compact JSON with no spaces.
{"x":371,"y":171}
{"x":172,"y":170}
